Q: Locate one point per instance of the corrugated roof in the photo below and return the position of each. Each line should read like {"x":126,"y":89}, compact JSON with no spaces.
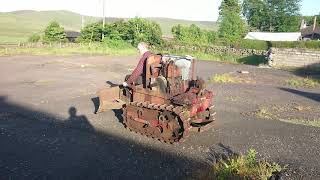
{"x":269,"y":36}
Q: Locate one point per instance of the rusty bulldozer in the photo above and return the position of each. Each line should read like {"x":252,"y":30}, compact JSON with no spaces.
{"x":168,"y":104}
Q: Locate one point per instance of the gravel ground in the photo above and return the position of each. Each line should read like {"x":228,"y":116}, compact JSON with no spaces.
{"x":48,"y":129}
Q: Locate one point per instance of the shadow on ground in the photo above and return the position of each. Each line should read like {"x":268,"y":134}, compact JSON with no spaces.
{"x":312,"y":96}
{"x":253,"y":60}
{"x":310,"y":71}
{"x":38,"y":145}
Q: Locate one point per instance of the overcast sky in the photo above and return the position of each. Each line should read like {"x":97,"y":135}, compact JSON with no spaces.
{"x":205,"y":10}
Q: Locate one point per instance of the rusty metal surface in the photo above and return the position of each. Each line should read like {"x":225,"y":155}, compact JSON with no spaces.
{"x":193,"y":76}
{"x":109,"y":98}
{"x":160,"y":121}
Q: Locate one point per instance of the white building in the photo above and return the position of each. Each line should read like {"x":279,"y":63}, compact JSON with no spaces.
{"x":270,"y":36}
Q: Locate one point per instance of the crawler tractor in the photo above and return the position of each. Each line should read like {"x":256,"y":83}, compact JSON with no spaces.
{"x":168,"y":103}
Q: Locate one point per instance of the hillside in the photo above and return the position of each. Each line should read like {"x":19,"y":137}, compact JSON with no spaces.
{"x":19,"y":25}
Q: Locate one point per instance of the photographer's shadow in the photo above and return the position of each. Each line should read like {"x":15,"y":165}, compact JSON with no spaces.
{"x":79,"y":122}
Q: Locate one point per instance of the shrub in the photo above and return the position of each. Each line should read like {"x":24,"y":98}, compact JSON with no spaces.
{"x":54,"y":33}
{"x":244,"y":167}
{"x":265,"y":45}
{"x":34,"y":38}
{"x":253,"y":44}
{"x":144,"y":30}
{"x":299,"y":44}
{"x":117,"y":30}
{"x":91,"y":33}
{"x":116,"y":43}
{"x":133,"y":31}
{"x":193,"y":35}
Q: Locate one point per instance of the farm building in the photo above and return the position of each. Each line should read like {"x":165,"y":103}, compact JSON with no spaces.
{"x":310,"y":32}
{"x":271,"y":36}
{"x":72,"y":35}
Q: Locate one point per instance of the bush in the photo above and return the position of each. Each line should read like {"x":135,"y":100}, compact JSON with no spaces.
{"x":253,"y":44}
{"x":144,"y":30}
{"x":34,"y":38}
{"x":116,"y":43}
{"x":54,"y":33}
{"x":193,"y":35}
{"x":133,"y":31}
{"x":244,"y":167}
{"x":117,"y":30}
{"x":91,"y":33}
{"x":265,"y":45}
{"x":299,"y":44}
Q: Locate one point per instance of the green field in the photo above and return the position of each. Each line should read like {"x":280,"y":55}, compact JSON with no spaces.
{"x":17,"y":26}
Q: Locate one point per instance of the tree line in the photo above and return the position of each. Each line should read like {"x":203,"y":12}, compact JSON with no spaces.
{"x":235,"y":20}
{"x":132,"y":31}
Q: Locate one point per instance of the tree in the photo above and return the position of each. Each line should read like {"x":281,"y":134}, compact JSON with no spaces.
{"x":144,"y":30}
{"x":119,"y":30}
{"x":34,"y":38}
{"x":256,"y":13}
{"x":193,"y":34}
{"x":231,"y":25}
{"x":91,"y":33}
{"x":310,"y":19}
{"x":54,"y":33}
{"x":272,"y":15}
{"x":133,"y":31}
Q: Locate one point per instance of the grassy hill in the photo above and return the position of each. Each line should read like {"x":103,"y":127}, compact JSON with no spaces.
{"x":19,"y":25}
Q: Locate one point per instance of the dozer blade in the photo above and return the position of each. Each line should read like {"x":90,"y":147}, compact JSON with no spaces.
{"x":109,"y":98}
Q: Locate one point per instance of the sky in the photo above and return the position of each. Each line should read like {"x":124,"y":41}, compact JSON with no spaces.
{"x":203,"y":10}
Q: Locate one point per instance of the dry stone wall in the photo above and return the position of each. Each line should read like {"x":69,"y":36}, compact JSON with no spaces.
{"x":219,"y":50}
{"x":279,"y":57}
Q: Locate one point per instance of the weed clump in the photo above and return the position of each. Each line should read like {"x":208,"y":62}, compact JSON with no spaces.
{"x":244,"y":167}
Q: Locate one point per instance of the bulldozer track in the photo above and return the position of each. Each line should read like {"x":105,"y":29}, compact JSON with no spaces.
{"x":178,"y":111}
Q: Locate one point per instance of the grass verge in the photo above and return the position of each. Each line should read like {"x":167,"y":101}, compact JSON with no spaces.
{"x":98,"y":49}
{"x":244,"y":167}
{"x":307,"y":82}
{"x":110,"y":48}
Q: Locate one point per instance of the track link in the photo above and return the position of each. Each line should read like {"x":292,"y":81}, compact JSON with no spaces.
{"x":178,"y":112}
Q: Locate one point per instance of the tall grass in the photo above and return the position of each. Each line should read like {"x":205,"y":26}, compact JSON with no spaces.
{"x":244,"y":167}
